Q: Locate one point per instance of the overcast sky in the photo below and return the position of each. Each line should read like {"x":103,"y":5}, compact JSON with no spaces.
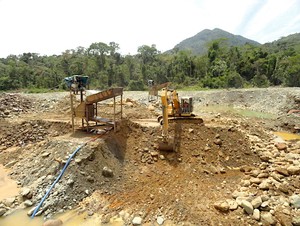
{"x":52,"y":26}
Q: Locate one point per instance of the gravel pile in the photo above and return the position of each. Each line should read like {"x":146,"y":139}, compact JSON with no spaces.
{"x":13,"y":104}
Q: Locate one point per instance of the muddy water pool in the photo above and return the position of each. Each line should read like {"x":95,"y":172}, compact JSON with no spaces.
{"x":69,"y":218}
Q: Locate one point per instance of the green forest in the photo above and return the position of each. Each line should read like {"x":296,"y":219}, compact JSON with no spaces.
{"x":223,"y":66}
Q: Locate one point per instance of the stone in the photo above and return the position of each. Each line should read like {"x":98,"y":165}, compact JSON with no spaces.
{"x":295,"y":201}
{"x":28,"y":203}
{"x":255,"y":172}
{"x":2,"y":211}
{"x":154,"y":153}
{"x":264,"y":185}
{"x":70,"y":182}
{"x":137,"y":221}
{"x":218,"y":141}
{"x":247,"y":207}
{"x":162,"y":157}
{"x":266,"y":156}
{"x":160,"y":220}
{"x":284,"y":188}
{"x":236,"y":194}
{"x":56,"y":222}
{"x":256,"y":202}
{"x":26,"y":192}
{"x":281,"y":146}
{"x":267,"y":219}
{"x":256,"y":214}
{"x":263,"y":175}
{"x":46,"y":154}
{"x":255,"y":180}
{"x":30,"y":212}
{"x":90,"y":179}
{"x":9,"y":201}
{"x":232,"y":205}
{"x":206,"y":148}
{"x":151,"y":107}
{"x":265,"y":206}
{"x":221,"y":206}
{"x":282,"y":171}
{"x":106,"y":172}
{"x":296,"y":221}
{"x":294,"y":170}
{"x":265,"y":198}
{"x":6,"y":112}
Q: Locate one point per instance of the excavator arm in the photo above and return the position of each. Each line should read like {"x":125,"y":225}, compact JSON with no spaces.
{"x":165,"y":145}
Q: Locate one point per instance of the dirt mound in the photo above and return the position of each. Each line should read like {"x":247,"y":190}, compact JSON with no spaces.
{"x":13,"y":104}
{"x":30,"y":132}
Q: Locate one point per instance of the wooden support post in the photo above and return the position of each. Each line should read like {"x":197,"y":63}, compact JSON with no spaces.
{"x":72,"y":111}
{"x":87,"y":117}
{"x":121,"y":106}
{"x":115,"y":129}
{"x":96,"y":112}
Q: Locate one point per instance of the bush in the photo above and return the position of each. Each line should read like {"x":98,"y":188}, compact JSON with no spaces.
{"x":214,"y":82}
{"x":234,"y":80}
{"x":136,"y":85}
{"x":260,"y":81}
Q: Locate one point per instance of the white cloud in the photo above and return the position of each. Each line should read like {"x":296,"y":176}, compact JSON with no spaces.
{"x":52,"y":26}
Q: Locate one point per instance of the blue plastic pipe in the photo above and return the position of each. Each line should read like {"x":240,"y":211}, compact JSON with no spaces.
{"x":57,"y":179}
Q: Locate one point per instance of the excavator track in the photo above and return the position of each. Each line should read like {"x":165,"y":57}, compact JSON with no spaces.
{"x":181,"y":119}
{"x":194,"y":120}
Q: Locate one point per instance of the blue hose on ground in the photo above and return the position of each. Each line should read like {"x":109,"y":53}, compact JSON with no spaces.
{"x":57,"y":179}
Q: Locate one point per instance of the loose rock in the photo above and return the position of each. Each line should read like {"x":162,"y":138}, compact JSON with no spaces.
{"x":247,"y":207}
{"x":137,"y":221}
{"x":256,"y":214}
{"x":295,"y":201}
{"x":106,"y":172}
{"x":267,"y":219}
{"x":222,"y":206}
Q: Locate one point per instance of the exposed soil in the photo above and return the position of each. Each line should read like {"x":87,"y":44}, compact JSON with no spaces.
{"x":124,"y":174}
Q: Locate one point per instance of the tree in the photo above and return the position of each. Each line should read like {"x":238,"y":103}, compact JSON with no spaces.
{"x":234,"y":80}
{"x":293,"y":73}
{"x":260,"y":80}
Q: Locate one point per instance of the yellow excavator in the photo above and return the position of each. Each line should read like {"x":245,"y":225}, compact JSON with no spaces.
{"x":178,"y":110}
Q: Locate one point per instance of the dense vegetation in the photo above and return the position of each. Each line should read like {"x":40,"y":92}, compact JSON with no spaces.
{"x":223,"y":66}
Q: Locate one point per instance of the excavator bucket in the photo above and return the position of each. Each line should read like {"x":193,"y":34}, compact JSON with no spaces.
{"x":166,"y":146}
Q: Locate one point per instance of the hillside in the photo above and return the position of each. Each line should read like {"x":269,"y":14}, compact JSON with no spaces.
{"x":289,"y":42}
{"x":198,"y":43}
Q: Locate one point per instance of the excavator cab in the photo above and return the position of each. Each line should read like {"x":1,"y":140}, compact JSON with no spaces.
{"x":186,"y":105}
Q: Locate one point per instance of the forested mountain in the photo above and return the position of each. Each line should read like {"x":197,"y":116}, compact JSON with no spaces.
{"x":222,"y":66}
{"x":289,"y":42}
{"x":199,"y":43}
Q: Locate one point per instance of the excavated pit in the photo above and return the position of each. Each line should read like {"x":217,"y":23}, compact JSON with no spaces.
{"x":173,"y":184}
{"x":124,"y":174}
{"x":126,"y":171}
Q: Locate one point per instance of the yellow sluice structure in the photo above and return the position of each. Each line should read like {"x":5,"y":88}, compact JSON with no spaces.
{"x":87,"y":109}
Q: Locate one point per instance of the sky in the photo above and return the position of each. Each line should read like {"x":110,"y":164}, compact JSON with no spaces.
{"x":50,"y":27}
